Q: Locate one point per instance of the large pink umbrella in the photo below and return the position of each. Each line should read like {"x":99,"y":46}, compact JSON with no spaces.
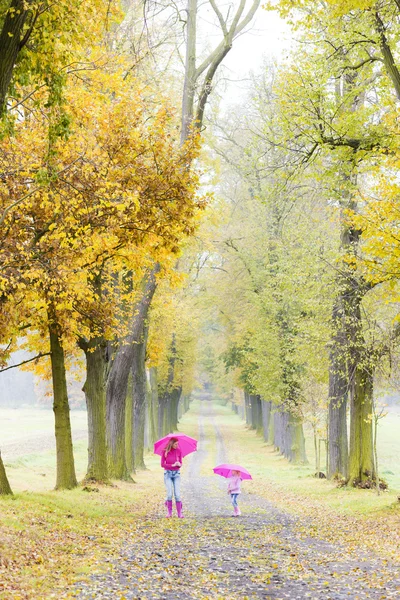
{"x":186,"y":444}
{"x":225,"y":470}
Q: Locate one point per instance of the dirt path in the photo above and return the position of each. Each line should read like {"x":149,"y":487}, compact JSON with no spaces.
{"x":266,"y":553}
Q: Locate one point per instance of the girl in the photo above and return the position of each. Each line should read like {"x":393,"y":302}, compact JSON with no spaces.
{"x":234,"y":482}
{"x":171,"y":461}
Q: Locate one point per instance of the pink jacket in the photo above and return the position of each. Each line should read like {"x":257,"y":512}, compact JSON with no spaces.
{"x":234,"y":484}
{"x":172,"y":456}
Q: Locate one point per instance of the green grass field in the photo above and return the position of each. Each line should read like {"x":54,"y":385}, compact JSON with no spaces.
{"x":25,"y":434}
{"x":26,"y":439}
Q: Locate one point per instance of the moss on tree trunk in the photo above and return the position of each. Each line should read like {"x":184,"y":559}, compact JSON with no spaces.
{"x":95,"y":394}
{"x":5,"y":488}
{"x":66,"y":478}
{"x":139,"y":388}
{"x":361,"y":462}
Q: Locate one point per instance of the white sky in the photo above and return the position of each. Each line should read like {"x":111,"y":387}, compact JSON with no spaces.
{"x":268,"y":36}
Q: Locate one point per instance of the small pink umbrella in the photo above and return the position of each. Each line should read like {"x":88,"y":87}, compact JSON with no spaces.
{"x":186,"y":444}
{"x":225,"y":470}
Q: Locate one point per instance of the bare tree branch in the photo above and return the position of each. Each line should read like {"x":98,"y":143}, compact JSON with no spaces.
{"x":24,"y":362}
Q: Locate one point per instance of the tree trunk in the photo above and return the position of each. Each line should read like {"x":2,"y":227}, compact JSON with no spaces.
{"x":189,"y":85}
{"x":266,"y":417}
{"x":139,"y":389}
{"x":247,"y":407}
{"x":10,"y":45}
{"x":338,"y":392}
{"x":129,"y":425}
{"x":154,"y":403}
{"x":259,"y":423}
{"x":186,"y":403}
{"x":361,"y":462}
{"x":286,"y":435}
{"x":297,"y":449}
{"x":376,"y":452}
{"x":278,"y":430}
{"x":253,"y":411}
{"x":150,"y":416}
{"x":160,"y":420}
{"x":118,"y":381}
{"x":174,"y":403}
{"x":115,"y":411}
{"x":66,"y":478}
{"x":271,"y":427}
{"x":5,"y":488}
{"x":95,"y":394}
{"x":168,"y":404}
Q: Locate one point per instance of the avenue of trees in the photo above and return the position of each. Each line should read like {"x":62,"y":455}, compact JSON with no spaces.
{"x":281,"y":285}
{"x":99,"y":191}
{"x":307,"y":256}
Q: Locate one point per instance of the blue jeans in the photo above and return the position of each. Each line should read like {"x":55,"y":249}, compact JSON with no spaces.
{"x":172,"y":480}
{"x":234,"y":498}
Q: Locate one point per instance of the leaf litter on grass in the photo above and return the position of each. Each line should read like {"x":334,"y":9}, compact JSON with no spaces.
{"x":269,"y":553}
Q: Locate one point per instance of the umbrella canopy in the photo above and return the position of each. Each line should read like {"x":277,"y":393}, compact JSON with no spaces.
{"x":225,"y":470}
{"x":186,"y":444}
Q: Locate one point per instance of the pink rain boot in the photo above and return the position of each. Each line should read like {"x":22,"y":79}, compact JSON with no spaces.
{"x":179,"y":509}
{"x":238,"y":513}
{"x":168,"y":504}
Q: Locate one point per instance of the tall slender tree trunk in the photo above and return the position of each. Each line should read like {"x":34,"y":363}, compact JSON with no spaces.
{"x":361,"y":460}
{"x":139,"y":390}
{"x":271,"y":426}
{"x":253,"y":411}
{"x":175,"y":398}
{"x":5,"y":488}
{"x":247,"y":407}
{"x":129,"y":426}
{"x":66,"y":478}
{"x":116,"y":418}
{"x":189,"y":85}
{"x":266,"y":417}
{"x":155,"y":402}
{"x":278,"y":429}
{"x":118,"y":380}
{"x":160,"y":419}
{"x":338,"y":393}
{"x":286,"y":437}
{"x":170,"y":398}
{"x":95,"y":394}
{"x":259,"y":418}
{"x":152,"y":408}
{"x":296,"y":441}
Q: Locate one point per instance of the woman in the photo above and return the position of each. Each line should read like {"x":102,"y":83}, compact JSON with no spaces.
{"x":171,"y":461}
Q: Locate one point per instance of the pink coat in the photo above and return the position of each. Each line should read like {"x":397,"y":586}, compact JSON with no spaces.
{"x":234,"y":484}
{"x":167,"y":461}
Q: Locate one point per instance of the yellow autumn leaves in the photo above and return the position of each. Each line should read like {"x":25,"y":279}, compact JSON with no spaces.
{"x":112,"y":193}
